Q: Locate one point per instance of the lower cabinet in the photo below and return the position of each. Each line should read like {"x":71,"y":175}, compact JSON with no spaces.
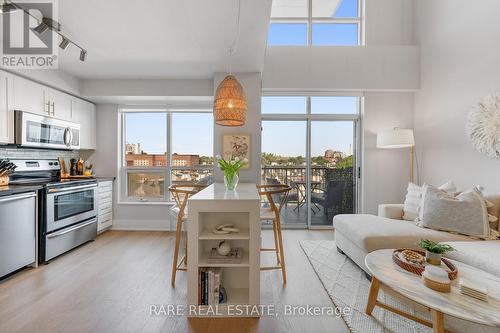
{"x":105,"y":205}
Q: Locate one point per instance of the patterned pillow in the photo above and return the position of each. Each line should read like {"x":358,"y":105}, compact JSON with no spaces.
{"x":464,"y":214}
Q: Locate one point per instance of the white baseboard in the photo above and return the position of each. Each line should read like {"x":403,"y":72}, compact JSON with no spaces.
{"x":142,"y":225}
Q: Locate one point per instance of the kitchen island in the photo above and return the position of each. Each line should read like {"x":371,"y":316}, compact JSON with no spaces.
{"x":239,"y":278}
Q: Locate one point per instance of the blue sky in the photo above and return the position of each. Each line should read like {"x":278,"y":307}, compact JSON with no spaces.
{"x":345,"y":34}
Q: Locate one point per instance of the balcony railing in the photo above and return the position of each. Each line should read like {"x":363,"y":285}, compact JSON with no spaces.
{"x":319,"y":176}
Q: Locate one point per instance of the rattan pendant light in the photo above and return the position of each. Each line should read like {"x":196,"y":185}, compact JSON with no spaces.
{"x":230,"y":102}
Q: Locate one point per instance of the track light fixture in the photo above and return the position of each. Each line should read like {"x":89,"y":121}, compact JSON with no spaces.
{"x":7,"y":6}
{"x":64,"y":43}
{"x":41,"y":28}
{"x":83,"y":55}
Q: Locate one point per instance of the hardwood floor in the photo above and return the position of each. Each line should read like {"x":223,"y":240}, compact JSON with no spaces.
{"x":109,"y":285}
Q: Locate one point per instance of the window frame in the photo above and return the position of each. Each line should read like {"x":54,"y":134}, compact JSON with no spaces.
{"x":166,"y":171}
{"x":310,"y":20}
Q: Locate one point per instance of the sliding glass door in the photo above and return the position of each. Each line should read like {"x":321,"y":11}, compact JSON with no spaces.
{"x":310,"y":143}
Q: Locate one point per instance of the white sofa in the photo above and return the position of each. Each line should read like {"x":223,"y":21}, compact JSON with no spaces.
{"x":359,"y":234}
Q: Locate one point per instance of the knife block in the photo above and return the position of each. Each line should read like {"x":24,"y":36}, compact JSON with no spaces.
{"x":4,"y":180}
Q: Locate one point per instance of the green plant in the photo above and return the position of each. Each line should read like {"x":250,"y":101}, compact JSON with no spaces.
{"x":434,"y":247}
{"x":232,"y":166}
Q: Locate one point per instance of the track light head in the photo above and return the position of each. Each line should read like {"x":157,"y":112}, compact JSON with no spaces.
{"x":41,"y":28}
{"x":6,"y":7}
{"x":83,"y":55}
{"x":64,"y":43}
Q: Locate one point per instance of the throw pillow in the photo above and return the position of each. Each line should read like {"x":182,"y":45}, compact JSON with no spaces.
{"x":465,"y":214}
{"x":411,"y":206}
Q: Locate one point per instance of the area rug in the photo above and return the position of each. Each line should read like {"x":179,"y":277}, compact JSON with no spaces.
{"x":347,"y":286}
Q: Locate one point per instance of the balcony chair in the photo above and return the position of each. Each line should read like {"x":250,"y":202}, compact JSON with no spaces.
{"x":272,"y":213}
{"x":331,"y":198}
{"x":181,"y":193}
{"x":292,"y":197}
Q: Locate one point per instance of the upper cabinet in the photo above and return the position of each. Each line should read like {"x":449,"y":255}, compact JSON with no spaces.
{"x":84,"y":113}
{"x":35,"y":98}
{"x":30,"y":96}
{"x":6,"y":108}
{"x":59,"y":104}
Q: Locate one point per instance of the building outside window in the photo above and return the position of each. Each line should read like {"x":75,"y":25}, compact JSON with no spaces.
{"x":316,"y":23}
{"x":160,"y":148}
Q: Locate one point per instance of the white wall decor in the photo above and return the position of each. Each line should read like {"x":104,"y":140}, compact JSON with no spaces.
{"x":483,"y":126}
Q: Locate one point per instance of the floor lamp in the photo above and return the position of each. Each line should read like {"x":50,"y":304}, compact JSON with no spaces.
{"x":398,"y":138}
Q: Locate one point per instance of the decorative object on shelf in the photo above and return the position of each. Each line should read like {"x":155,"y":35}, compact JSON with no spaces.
{"x":237,"y":145}
{"x":231,"y":169}
{"x":44,"y":24}
{"x":418,"y":269}
{"x":224,"y":248}
{"x":230,"y":102}
{"x":234,"y":256}
{"x":6,"y":169}
{"x":413,"y":257}
{"x":434,"y":251}
{"x":398,"y":138}
{"x":224,"y":229}
{"x":436,"y":278}
{"x":483,"y":126}
{"x":471,"y":289}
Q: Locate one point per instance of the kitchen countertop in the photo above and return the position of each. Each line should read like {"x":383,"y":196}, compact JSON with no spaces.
{"x":103,"y":179}
{"x":17,"y":189}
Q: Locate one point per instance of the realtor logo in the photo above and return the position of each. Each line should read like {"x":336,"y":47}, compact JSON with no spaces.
{"x":27,"y":38}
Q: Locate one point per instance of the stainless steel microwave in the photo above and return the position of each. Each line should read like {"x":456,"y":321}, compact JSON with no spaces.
{"x":33,"y":130}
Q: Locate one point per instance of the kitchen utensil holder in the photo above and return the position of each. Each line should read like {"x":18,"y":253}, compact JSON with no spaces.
{"x":4,"y":180}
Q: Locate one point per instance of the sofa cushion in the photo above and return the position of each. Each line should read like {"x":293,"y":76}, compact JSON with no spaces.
{"x":477,"y":254}
{"x":370,"y":232}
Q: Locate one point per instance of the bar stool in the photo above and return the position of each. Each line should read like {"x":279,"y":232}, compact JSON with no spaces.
{"x":276,"y":195}
{"x":181,"y":193}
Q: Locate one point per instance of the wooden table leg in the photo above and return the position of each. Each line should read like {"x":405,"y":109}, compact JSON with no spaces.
{"x":372,"y":296}
{"x":437,"y":321}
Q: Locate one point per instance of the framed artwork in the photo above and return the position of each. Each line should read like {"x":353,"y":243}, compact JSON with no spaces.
{"x":237,"y":145}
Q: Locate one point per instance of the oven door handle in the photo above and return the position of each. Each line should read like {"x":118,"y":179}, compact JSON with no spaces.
{"x":79,"y":226}
{"x":56,"y":190}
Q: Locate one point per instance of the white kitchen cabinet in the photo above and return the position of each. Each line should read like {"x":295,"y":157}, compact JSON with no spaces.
{"x":84,"y":113}
{"x":30,"y":96}
{"x":105,"y":205}
{"x":6,"y":108}
{"x":60,"y":104}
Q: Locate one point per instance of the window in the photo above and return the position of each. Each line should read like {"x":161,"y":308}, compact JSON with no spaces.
{"x":315,"y":22}
{"x":283,"y":104}
{"x":162,"y":148}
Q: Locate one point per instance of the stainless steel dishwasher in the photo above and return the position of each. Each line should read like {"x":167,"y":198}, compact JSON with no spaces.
{"x":17,"y":231}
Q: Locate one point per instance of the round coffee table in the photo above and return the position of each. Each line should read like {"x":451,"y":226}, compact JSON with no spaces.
{"x":387,"y":274}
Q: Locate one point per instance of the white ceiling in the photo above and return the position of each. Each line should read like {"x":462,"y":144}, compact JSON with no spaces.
{"x":162,"y":38}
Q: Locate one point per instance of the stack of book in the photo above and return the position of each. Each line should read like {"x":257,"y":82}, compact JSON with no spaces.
{"x":473,"y":290}
{"x":209,"y":286}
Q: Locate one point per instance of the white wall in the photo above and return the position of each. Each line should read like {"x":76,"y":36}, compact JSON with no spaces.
{"x":385,"y":172}
{"x":460,"y":55}
{"x":251,"y":83}
{"x":389,"y":22}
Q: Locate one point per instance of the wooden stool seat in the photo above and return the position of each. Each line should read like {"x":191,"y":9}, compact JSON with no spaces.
{"x":276,"y":195}
{"x":181,"y":194}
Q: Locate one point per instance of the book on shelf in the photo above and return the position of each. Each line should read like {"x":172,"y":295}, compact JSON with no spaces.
{"x":209,"y":282}
{"x":235,"y":256}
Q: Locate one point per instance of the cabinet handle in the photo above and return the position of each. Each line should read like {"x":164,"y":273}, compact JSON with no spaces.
{"x":53,"y":109}
{"x":48,"y":108}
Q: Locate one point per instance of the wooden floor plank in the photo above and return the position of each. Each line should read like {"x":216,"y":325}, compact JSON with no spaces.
{"x":108,"y":286}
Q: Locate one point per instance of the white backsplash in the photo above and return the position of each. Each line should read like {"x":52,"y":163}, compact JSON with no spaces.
{"x":28,"y":153}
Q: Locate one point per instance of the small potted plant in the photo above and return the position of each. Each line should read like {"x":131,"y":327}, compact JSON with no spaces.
{"x":434,"y":251}
{"x":231,"y":169}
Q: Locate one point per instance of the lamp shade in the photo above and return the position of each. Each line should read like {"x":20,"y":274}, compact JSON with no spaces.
{"x":396,"y":138}
{"x":230,"y":103}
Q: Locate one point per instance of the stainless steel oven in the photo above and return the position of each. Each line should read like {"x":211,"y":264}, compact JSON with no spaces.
{"x":69,"y":205}
{"x":33,"y":130}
